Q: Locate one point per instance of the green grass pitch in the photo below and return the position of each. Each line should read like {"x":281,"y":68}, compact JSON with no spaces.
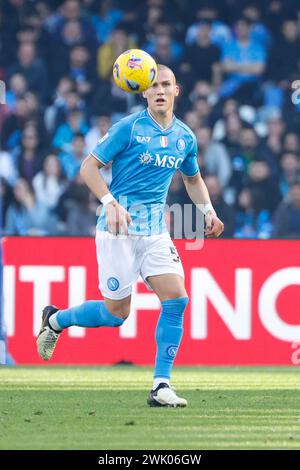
{"x":105,"y":408}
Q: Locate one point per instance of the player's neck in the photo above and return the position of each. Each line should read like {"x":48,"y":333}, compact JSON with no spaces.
{"x":163,"y":119}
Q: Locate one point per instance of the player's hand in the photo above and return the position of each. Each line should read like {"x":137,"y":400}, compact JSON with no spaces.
{"x":117,"y":218}
{"x":214,"y":226}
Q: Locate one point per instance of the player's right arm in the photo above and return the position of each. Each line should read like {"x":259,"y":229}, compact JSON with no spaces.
{"x":109,"y":147}
{"x":117,"y":218}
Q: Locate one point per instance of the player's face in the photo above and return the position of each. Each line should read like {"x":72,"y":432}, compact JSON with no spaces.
{"x":161,"y":95}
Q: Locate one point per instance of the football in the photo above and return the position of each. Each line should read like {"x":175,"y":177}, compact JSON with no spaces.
{"x":135,"y":71}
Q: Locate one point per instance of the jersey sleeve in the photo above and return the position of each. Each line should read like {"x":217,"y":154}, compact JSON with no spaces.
{"x":115,"y":141}
{"x":189,"y":166}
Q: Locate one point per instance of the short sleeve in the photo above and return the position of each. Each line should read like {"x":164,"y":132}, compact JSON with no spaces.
{"x":189,"y":166}
{"x":115,"y":141}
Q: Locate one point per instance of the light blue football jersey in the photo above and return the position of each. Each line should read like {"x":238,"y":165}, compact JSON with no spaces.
{"x":144,"y":159}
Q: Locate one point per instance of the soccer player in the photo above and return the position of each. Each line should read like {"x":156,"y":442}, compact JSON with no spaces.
{"x":145,"y":149}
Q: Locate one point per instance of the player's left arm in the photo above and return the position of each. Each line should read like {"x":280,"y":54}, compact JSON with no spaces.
{"x":197,"y":190}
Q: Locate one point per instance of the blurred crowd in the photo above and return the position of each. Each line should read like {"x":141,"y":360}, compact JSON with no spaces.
{"x":237,"y":63}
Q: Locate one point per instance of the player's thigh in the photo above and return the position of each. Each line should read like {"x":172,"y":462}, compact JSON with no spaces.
{"x":117,"y":265}
{"x":120,"y":308}
{"x":167,"y":286}
{"x":162,"y":268}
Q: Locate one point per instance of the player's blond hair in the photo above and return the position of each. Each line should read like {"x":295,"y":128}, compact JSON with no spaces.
{"x":165,"y":67}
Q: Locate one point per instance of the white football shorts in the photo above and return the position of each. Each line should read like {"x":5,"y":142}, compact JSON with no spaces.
{"x":122,"y":259}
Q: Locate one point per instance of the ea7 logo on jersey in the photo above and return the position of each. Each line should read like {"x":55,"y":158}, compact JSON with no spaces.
{"x":167,"y":161}
{"x":141,"y":139}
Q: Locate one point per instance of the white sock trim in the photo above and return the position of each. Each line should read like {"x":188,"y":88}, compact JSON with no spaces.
{"x":53,"y":322}
{"x":159,"y":380}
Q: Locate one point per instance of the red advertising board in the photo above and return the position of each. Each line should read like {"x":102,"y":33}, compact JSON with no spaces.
{"x":244,"y":304}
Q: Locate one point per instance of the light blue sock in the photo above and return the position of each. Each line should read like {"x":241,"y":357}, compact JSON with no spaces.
{"x":90,"y":314}
{"x":168,"y":335}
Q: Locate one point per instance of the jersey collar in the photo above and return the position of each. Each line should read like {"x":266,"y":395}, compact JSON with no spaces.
{"x":157,"y":123}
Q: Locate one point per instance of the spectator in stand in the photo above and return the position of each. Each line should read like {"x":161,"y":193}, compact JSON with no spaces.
{"x":82,"y":72}
{"x":29,"y":156}
{"x":71,"y":161}
{"x":287,"y":216}
{"x":202,"y":58}
{"x":26,"y":216}
{"x":191,"y":119}
{"x":14,"y":123}
{"x":251,"y":223}
{"x":119,"y":42}
{"x":110,"y":98}
{"x":229,"y":106}
{"x":233,"y":127}
{"x":6,"y":197}
{"x":291,"y":143}
{"x":81,"y":217}
{"x":259,"y":31}
{"x":70,"y":10}
{"x":243,"y":62}
{"x":150,"y":14}
{"x":163,"y":33}
{"x":290,"y":172}
{"x":72,"y":35}
{"x":49,"y":183}
{"x":64,"y":135}
{"x":33,"y":69}
{"x":273,"y":142}
{"x":7,"y":167}
{"x":241,"y":158}
{"x":265,"y":189}
{"x":77,"y":209}
{"x":203,"y":109}
{"x":106,"y":20}
{"x":35,"y":117}
{"x":65,"y":98}
{"x":284,"y":55}
{"x":213,"y":156}
{"x":220,"y":32}
{"x":17,"y":88}
{"x":222,"y":209}
{"x":100,"y":126}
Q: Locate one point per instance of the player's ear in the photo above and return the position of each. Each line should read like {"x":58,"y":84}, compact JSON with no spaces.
{"x":177,"y":90}
{"x":144,"y":94}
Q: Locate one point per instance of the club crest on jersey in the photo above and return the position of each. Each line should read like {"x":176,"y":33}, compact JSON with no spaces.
{"x":180,"y":144}
{"x":146,"y":158}
{"x":163,"y":141}
{"x":141,"y":139}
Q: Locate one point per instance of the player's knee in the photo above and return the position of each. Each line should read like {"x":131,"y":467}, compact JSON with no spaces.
{"x":119,"y":309}
{"x":174,"y":295}
{"x":176,"y":305}
{"x":123,"y":315}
